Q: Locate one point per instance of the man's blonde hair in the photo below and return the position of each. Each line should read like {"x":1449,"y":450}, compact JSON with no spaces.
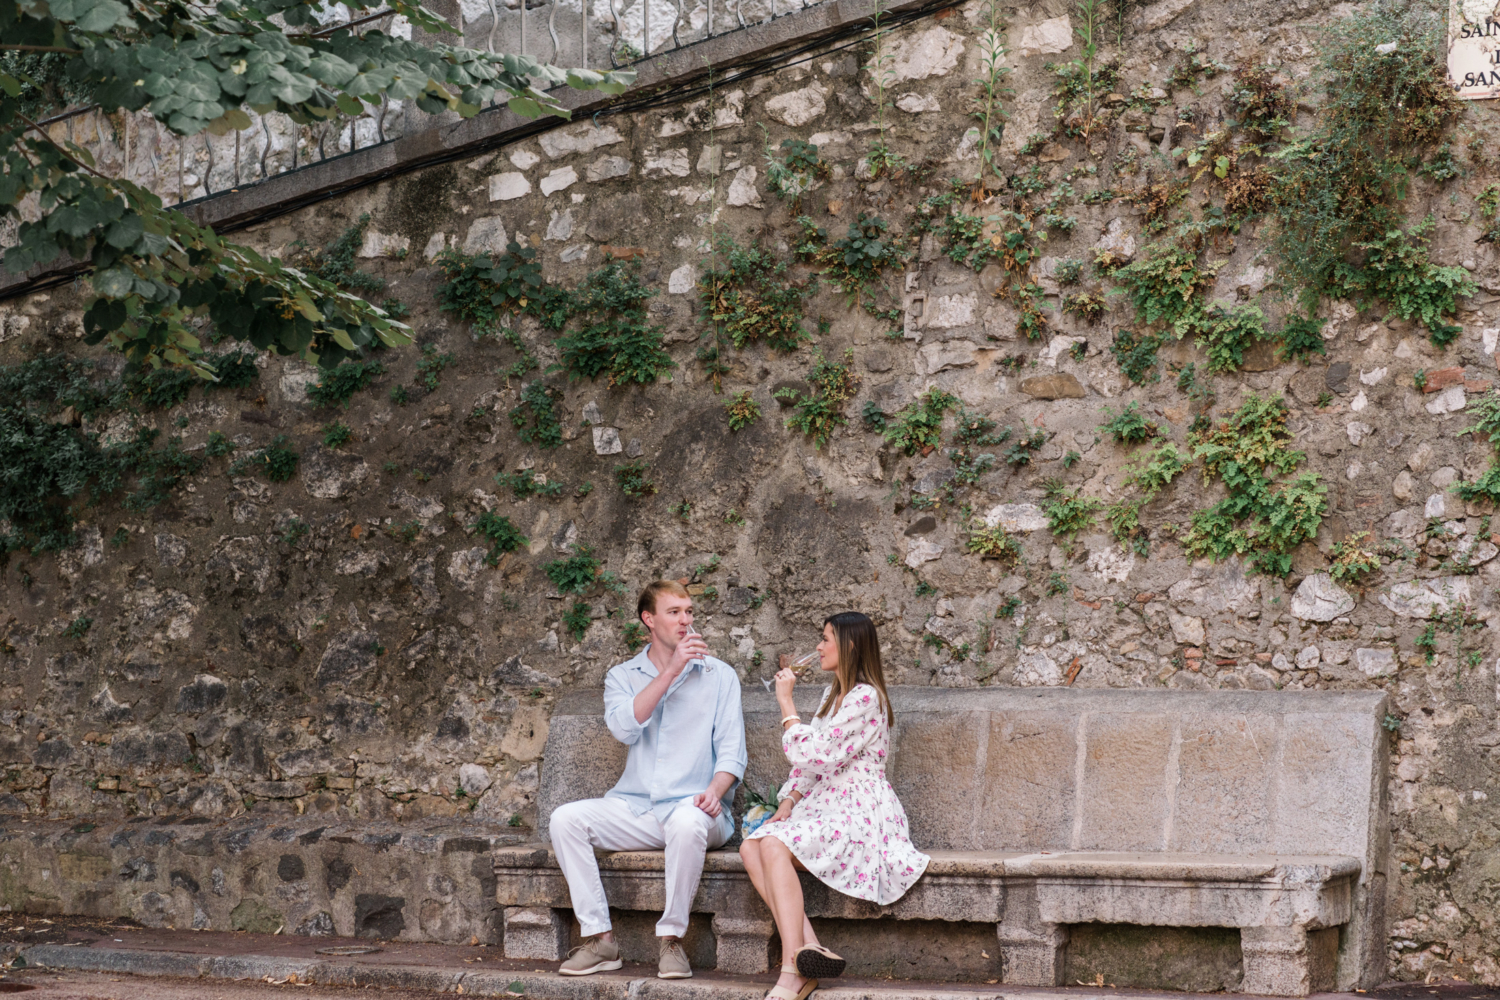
{"x":654,"y":590}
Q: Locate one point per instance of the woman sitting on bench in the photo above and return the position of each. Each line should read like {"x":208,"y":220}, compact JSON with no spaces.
{"x":839,"y":818}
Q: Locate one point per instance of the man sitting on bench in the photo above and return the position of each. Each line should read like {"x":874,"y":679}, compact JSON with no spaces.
{"x":678,"y":709}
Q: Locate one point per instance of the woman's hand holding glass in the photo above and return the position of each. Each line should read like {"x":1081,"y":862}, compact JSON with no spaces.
{"x":786,"y":680}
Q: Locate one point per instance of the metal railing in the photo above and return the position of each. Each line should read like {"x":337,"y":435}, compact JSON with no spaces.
{"x":134,"y":146}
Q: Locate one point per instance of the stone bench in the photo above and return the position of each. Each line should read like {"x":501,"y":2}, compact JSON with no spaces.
{"x":1047,"y":809}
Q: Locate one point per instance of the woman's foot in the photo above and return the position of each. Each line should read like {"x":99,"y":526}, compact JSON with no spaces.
{"x":817,"y":962}
{"x":791,"y":985}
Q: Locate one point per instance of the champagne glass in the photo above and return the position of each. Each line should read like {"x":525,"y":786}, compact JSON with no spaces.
{"x":797,"y":666}
{"x":693,"y":633}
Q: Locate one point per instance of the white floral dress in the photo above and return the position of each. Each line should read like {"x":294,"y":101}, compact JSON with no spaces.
{"x":849,"y":829}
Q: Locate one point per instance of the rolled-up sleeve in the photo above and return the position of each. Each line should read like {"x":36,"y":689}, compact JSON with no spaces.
{"x":729,"y":727}
{"x":619,"y":709}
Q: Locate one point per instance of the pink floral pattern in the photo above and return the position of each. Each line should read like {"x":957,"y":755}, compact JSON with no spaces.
{"x":849,"y":829}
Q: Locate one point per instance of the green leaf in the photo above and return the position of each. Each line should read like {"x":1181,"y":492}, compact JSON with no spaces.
{"x":115,"y":283}
{"x":124,"y":232}
{"x":525,"y":107}
{"x":91,"y":15}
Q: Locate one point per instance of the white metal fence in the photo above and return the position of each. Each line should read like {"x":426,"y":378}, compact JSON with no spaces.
{"x":597,"y":34}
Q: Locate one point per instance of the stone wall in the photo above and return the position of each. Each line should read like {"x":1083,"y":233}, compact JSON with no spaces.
{"x":378,"y":668}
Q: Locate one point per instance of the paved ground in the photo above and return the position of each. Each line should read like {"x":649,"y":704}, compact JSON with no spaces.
{"x":103,"y":986}
{"x":99,"y":960}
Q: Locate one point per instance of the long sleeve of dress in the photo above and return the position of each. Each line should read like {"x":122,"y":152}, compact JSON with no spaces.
{"x":799,"y":781}
{"x":820,"y":751}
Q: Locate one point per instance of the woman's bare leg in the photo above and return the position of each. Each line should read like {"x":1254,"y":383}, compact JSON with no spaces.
{"x":750,"y":853}
{"x":808,"y":937}
{"x":784,"y":897}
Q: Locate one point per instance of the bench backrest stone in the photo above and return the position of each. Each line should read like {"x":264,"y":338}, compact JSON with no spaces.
{"x":1053,"y":769}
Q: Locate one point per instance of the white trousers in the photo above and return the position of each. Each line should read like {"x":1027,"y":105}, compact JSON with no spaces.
{"x":608,"y":824}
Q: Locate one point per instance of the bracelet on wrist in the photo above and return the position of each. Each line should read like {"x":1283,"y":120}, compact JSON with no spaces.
{"x":789,"y":718}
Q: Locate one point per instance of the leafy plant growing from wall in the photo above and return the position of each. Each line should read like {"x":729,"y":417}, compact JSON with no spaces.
{"x":430,"y":367}
{"x":856,"y":261}
{"x":1024,"y":448}
{"x":535,"y":417}
{"x":1352,"y":561}
{"x":633,"y":480}
{"x":1398,"y":271}
{"x":964,"y":237}
{"x":991,"y":542}
{"x":577,"y":574}
{"x":1301,"y":338}
{"x":1152,"y":470}
{"x":277,"y":461}
{"x":1081,"y":82}
{"x":335,"y":262}
{"x":821,"y":411}
{"x":748,"y":297}
{"x":1129,"y":426}
{"x":988,"y":112}
{"x":1226,"y":334}
{"x":794,"y":173}
{"x":503,"y":536}
{"x":1068,"y":510}
{"x":743,"y":411}
{"x":633,"y":634}
{"x":525,"y":484}
{"x":1166,"y":287}
{"x":487,"y":290}
{"x":1485,"y":411}
{"x":1124,"y":517}
{"x":882,"y":159}
{"x":971,"y":432}
{"x":1338,"y":186}
{"x":576,"y":620}
{"x":1135,"y":353}
{"x":614,"y":337}
{"x":1261,"y":518}
{"x":919,"y":424}
{"x":338,"y":385}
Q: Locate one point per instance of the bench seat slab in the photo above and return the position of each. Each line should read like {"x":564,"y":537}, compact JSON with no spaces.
{"x":1288,"y":908}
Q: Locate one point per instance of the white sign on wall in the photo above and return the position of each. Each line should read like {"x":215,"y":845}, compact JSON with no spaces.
{"x":1474,"y":49}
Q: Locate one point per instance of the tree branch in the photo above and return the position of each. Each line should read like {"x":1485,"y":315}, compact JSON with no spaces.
{"x":42,"y":48}
{"x":325,"y":32}
{"x":43,"y":133}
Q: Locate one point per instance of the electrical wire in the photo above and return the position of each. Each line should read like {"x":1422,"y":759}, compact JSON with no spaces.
{"x":699,"y":84}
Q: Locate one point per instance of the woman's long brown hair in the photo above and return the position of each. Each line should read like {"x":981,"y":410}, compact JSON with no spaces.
{"x":859,"y":662}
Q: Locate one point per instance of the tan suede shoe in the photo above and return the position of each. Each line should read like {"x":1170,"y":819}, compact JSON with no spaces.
{"x":594,"y":955}
{"x":674,"y":961}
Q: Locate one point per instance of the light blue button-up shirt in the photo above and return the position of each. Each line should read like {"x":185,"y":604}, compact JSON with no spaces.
{"x":698,"y":728}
